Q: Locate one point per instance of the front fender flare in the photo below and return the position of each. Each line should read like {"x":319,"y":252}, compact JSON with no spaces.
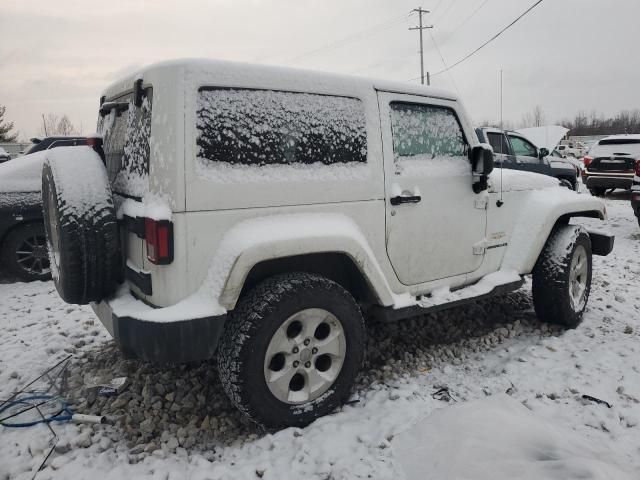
{"x":544,"y":208}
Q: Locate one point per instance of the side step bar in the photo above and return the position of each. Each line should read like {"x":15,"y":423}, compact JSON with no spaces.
{"x":454,"y":299}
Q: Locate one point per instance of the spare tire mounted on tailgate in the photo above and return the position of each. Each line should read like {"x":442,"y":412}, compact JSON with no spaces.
{"x":81,"y":225}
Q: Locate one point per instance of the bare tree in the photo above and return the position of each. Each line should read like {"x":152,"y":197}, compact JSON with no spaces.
{"x":5,"y":128}
{"x":534,"y":118}
{"x":53,"y":125}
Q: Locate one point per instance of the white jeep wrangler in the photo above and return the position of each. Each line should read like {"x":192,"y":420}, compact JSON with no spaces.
{"x":265,"y":215}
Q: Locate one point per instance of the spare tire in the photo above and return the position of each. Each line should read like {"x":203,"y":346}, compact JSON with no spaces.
{"x":80,"y":224}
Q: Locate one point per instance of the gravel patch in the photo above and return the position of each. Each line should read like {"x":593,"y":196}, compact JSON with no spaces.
{"x":181,"y":408}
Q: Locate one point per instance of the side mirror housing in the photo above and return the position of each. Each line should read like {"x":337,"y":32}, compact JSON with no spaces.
{"x":482,"y":163}
{"x":543,"y":152}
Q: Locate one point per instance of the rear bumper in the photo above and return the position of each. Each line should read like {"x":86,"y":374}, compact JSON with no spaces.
{"x":607,"y":180}
{"x":175,"y":341}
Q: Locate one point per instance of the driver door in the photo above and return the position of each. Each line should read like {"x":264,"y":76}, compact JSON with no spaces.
{"x":527,"y":156}
{"x":434,"y":219}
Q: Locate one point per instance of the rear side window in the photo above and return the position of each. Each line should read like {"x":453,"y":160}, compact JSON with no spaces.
{"x":126,"y":137}
{"x":498,"y":142}
{"x":269,"y":128}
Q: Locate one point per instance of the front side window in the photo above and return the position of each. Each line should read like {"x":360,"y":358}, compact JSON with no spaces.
{"x":425,"y":131}
{"x":523,"y":148}
{"x":427,"y":141}
{"x":266,"y":128}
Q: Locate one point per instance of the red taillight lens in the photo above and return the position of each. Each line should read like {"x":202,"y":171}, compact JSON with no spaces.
{"x":94,"y":142}
{"x":587,"y":161}
{"x":159,"y":237}
{"x":638,"y":168}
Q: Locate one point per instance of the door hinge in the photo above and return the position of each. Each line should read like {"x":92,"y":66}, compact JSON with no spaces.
{"x":480,"y":247}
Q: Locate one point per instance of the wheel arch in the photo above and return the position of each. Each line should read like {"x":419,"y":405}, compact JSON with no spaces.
{"x":538,"y":220}
{"x":336,"y":266}
{"x":331,"y":245}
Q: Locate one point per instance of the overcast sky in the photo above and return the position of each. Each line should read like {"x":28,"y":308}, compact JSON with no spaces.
{"x":566,"y":55}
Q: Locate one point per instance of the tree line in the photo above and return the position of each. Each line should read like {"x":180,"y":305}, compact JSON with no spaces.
{"x":593,"y":123}
{"x":52,"y":125}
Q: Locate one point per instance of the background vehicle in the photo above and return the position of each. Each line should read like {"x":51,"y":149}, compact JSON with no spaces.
{"x":277,"y":209}
{"x":514,"y":151}
{"x":572,"y":148}
{"x":4,"y":155}
{"x":635,"y":193}
{"x":40,"y":144}
{"x":611,"y":163}
{"x":23,"y":251}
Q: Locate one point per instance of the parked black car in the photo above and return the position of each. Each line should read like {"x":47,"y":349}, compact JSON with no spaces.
{"x":39,"y":144}
{"x":513,"y":150}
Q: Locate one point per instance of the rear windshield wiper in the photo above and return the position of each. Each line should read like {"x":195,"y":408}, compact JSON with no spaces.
{"x":120,"y":107}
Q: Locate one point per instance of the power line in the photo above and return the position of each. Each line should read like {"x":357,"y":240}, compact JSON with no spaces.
{"x":444,"y":14}
{"x":490,"y":40}
{"x":444,"y":63}
{"x":374,"y":29}
{"x":470,"y":16}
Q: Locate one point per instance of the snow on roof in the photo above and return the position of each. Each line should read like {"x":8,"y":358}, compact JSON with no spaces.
{"x":631,"y":136}
{"x":226,"y":73}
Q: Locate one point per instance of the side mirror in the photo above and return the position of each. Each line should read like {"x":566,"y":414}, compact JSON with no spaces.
{"x":543,"y":152}
{"x":482,"y":163}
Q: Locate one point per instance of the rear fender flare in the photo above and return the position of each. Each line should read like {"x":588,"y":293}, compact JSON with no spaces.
{"x":253,"y":241}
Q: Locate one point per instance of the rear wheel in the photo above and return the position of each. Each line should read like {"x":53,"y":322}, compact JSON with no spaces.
{"x":291,"y":350}
{"x":598,"y":191}
{"x":24,"y":253}
{"x":562,"y":276}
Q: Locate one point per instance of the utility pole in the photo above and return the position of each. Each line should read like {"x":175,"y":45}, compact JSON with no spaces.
{"x":420,"y":28}
{"x":44,"y":124}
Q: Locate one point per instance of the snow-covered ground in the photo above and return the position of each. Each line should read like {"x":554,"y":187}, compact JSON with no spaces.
{"x":515,"y":407}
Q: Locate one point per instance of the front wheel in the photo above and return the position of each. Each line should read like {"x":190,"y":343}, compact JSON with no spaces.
{"x":291,"y":350}
{"x":562,"y":276}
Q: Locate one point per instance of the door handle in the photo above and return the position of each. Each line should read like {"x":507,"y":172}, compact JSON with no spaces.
{"x":400,"y":199}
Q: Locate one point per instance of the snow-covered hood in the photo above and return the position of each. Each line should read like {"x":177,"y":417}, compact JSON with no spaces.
{"x":515,"y":180}
{"x":547,"y":136}
{"x":22,"y":174}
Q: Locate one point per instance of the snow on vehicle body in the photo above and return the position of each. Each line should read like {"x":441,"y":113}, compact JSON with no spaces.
{"x":262,"y":211}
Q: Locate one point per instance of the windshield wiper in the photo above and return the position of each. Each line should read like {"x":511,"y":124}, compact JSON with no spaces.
{"x":120,"y":107}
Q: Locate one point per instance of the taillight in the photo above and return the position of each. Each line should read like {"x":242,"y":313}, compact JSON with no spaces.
{"x":638,"y":168}
{"x":587,"y":161}
{"x":96,"y":144}
{"x":159,"y":237}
